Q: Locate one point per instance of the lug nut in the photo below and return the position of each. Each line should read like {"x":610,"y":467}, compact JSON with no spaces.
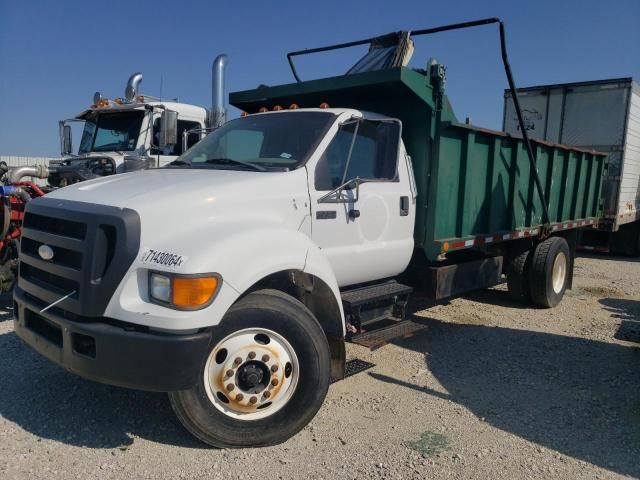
{"x":252,"y":355}
{"x":274,"y":368}
{"x":237,"y":361}
{"x":274,"y":382}
{"x":266,"y":394}
{"x":265,"y":358}
{"x":239,"y":397}
{"x":230,"y":387}
{"x":229,"y":373}
{"x":253,"y":400}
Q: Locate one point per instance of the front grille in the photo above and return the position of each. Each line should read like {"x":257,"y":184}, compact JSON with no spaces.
{"x":48,"y":280}
{"x":93,"y":247}
{"x":57,"y":226}
{"x":64,"y":256}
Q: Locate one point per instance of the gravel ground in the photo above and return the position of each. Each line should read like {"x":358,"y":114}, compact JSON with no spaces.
{"x":489,"y":390}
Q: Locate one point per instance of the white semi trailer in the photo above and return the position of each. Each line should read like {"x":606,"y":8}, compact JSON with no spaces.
{"x":603,"y":115}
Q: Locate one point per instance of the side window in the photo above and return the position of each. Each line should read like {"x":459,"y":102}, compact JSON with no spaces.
{"x":177,"y":148}
{"x":192,"y":138}
{"x":373,"y":156}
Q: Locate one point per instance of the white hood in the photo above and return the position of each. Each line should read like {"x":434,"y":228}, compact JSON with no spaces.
{"x":134,"y":190}
{"x":191,"y":197}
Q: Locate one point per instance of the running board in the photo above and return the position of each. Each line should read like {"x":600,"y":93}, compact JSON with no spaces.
{"x":381,"y":336}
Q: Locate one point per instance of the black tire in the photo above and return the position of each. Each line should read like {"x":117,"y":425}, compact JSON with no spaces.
{"x":541,"y":272}
{"x":286,"y":316}
{"x":518,"y":277}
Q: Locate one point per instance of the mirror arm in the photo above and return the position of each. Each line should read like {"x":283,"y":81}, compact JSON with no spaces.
{"x":327,"y":197}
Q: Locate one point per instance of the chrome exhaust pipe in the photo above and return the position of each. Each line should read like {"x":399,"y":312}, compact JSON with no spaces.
{"x":37,"y":171}
{"x":131,"y":91}
{"x":218,"y":113}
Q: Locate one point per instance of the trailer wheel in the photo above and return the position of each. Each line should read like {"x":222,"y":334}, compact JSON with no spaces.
{"x":518,"y":277}
{"x":549,"y":272}
{"x":265,"y":377}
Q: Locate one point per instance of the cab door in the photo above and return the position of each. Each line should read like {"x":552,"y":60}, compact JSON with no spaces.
{"x":365,"y":228}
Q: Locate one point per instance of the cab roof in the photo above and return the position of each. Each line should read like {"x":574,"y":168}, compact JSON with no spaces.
{"x":185,"y":109}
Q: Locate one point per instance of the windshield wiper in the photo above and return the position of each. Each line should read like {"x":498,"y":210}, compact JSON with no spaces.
{"x":179,"y":162}
{"x":259,"y":168}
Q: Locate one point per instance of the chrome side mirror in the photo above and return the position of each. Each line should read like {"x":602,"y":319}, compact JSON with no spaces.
{"x":168,"y":129}
{"x":66,"y":145}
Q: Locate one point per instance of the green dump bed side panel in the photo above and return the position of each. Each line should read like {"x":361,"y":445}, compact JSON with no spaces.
{"x":474,"y":185}
{"x":483,"y":188}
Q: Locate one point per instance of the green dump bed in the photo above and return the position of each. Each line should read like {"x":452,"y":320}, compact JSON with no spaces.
{"x":475,"y":186}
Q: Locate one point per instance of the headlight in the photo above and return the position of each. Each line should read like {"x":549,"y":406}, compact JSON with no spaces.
{"x":183,"y":292}
{"x":160,"y":287}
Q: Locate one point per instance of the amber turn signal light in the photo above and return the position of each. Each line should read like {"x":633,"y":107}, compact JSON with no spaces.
{"x":191,"y":292}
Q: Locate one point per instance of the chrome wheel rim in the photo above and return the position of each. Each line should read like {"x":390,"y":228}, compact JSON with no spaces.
{"x":251,"y":374}
{"x":559,"y":272}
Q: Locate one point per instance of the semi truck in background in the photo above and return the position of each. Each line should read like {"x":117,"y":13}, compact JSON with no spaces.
{"x":134,"y":132}
{"x":128,"y":133}
{"x":300,"y":225}
{"x":603,"y":115}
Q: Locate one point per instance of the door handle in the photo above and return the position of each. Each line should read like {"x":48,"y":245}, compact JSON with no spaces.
{"x":353,"y":214}
{"x":404,"y":206}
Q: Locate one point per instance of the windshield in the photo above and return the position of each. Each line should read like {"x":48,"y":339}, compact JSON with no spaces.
{"x":278,"y":141}
{"x":112,"y":131}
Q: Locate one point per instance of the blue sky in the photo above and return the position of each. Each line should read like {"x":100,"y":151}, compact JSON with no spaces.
{"x":54,"y":55}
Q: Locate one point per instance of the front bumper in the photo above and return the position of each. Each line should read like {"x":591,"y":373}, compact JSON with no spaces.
{"x":111,"y":353}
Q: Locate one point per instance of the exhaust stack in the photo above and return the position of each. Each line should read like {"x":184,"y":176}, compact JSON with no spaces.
{"x":131,"y":91}
{"x":218,"y":113}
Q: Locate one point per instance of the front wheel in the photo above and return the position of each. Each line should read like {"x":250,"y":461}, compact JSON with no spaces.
{"x":266,"y":375}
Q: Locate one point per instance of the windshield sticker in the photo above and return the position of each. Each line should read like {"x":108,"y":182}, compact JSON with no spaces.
{"x":285,"y":155}
{"x":158,"y":258}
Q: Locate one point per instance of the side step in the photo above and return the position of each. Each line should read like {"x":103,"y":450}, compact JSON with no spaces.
{"x":382,"y":291}
{"x":381,"y":308}
{"x":353,"y":366}
{"x":374,"y":339}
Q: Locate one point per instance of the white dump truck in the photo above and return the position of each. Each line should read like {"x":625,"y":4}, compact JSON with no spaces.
{"x":232,"y":277}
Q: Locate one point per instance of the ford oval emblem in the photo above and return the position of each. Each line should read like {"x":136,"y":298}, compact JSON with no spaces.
{"x":45,"y":252}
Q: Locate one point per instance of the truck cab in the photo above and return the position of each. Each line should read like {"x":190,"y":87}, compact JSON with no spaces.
{"x":126,"y":134}
{"x":148,"y":267}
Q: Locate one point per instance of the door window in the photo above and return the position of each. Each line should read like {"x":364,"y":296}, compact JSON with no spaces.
{"x":364,"y":148}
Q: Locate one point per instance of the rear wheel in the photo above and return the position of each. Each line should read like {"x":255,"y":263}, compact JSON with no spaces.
{"x":265,"y":378}
{"x":517,"y":277}
{"x":549,"y":271}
